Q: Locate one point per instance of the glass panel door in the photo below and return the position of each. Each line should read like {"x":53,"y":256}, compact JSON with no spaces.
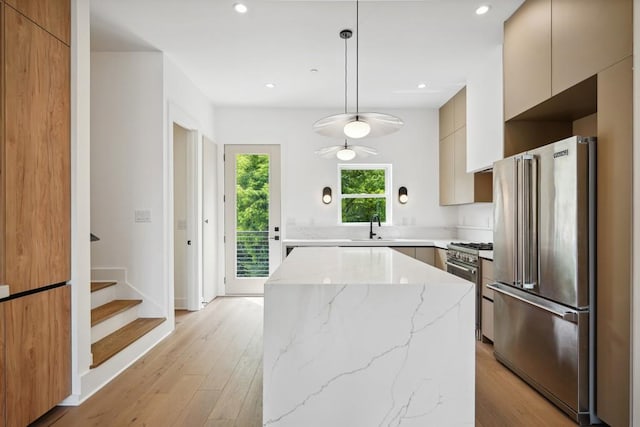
{"x":252,"y":216}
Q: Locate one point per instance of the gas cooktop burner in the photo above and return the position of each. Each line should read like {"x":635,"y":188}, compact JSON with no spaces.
{"x":476,"y":246}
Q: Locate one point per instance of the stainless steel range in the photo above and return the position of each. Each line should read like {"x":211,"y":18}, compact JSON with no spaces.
{"x":463,"y":261}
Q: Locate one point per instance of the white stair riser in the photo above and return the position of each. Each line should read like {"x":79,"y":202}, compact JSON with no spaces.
{"x":103,"y":296}
{"x":114,"y":323}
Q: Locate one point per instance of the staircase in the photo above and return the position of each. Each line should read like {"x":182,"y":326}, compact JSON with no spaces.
{"x":114,"y":322}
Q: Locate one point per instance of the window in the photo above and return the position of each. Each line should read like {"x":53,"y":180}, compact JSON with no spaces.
{"x":364,"y":192}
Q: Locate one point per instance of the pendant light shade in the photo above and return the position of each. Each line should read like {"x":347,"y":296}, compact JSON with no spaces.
{"x":357,"y":129}
{"x":346,"y":154}
{"x":356,"y":125}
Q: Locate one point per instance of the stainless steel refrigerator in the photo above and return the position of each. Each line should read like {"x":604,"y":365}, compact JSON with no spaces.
{"x":544,"y":267}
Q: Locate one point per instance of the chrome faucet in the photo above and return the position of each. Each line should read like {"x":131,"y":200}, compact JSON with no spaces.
{"x":373,"y":218}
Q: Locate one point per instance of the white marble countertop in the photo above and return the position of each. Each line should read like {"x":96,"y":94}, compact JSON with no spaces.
{"x":360,"y":265}
{"x":437,"y":243}
{"x":367,"y":337}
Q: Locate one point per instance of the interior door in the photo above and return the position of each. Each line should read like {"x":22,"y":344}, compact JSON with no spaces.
{"x":209,"y":219}
{"x":252,"y":216}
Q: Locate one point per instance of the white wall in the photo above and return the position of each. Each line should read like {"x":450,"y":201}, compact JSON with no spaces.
{"x":127,"y":174}
{"x":80,"y":196}
{"x":413,"y":152}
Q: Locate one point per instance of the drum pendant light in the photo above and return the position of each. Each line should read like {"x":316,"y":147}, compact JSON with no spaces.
{"x":359,"y":124}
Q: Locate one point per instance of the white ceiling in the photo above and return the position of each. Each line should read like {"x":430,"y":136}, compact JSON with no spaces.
{"x":231,"y":56}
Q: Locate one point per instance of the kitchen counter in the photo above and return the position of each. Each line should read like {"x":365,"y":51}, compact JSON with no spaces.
{"x":359,"y":242}
{"x":486,"y":255}
{"x":367,"y":336}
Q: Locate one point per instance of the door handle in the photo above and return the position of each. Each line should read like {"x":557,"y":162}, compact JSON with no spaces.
{"x":569,"y":316}
{"x":468,"y":270}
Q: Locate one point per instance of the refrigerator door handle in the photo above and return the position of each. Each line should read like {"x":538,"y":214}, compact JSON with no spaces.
{"x":555,"y":309}
{"x":517,"y":245}
{"x":529,"y":221}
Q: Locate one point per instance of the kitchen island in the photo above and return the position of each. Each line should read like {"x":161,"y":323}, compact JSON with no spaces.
{"x":367,"y":337}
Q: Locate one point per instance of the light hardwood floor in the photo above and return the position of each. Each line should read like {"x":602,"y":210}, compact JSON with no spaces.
{"x":209,"y":373}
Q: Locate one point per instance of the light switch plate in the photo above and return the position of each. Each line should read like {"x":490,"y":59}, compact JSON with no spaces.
{"x":143,"y":215}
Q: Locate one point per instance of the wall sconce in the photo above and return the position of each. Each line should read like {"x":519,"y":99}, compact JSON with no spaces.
{"x":403,"y":197}
{"x":326,"y":195}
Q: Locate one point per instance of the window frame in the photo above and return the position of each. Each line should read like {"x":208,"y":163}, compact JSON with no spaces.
{"x":387,"y":190}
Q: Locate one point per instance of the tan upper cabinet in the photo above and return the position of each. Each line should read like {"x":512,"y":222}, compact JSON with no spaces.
{"x":456,"y":185}
{"x":446,"y":120}
{"x":52,"y":15}
{"x":463,"y":181}
{"x":460,"y":109}
{"x":527,"y":57}
{"x":552,"y":45}
{"x":35,"y":155}
{"x":447,"y":178}
{"x":588,"y":37}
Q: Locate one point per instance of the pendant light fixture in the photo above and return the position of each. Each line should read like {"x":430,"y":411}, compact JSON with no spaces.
{"x":359,"y":124}
{"x":346,"y":152}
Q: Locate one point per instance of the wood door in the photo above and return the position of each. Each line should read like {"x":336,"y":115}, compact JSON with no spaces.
{"x":3,"y":371}
{"x":38,"y":353}
{"x":52,"y":15}
{"x":446,"y":171}
{"x":441,"y":259}
{"x":425,"y":255}
{"x":463,"y":181}
{"x":36,"y":156}
{"x":614,"y":225}
{"x":527,"y":57}
{"x":588,"y":36}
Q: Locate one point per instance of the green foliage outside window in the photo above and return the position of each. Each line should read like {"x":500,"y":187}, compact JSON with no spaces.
{"x":252,"y":215}
{"x":363,"y":182}
{"x":252,"y":192}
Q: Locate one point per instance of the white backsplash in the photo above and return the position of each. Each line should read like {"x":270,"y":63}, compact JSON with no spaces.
{"x":475,"y":222}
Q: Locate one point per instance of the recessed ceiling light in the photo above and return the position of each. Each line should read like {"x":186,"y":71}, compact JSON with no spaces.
{"x":270,"y":85}
{"x":483,"y":9}
{"x":314,"y":70}
{"x":422,"y":85}
{"x":240,"y":8}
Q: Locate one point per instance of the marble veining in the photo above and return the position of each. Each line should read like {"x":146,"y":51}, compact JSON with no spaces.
{"x":357,"y":354}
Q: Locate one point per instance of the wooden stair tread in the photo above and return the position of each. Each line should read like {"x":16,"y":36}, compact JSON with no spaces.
{"x":110,"y":345}
{"x":96,"y":286}
{"x":110,"y":309}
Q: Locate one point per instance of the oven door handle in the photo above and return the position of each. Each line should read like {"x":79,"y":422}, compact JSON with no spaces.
{"x":459,"y":267}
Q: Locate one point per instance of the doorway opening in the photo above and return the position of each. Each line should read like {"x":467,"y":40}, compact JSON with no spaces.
{"x":252,"y":217}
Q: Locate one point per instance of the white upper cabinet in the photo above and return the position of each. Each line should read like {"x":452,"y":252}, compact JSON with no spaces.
{"x":485,"y":120}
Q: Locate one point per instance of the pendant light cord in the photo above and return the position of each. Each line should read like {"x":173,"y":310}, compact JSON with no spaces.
{"x":357,"y":57}
{"x":345,"y":75}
